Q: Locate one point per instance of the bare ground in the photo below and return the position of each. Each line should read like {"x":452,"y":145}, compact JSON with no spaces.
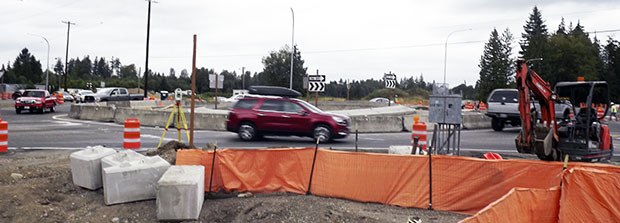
{"x":46,"y":194}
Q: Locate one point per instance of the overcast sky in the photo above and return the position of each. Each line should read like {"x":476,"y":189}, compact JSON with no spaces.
{"x":342,"y":39}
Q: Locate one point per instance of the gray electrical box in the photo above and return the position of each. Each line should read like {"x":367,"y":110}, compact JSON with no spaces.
{"x":445,"y":109}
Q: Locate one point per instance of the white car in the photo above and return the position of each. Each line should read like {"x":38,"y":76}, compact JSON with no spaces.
{"x":381,"y":100}
{"x":235,"y":98}
{"x":79,"y":97}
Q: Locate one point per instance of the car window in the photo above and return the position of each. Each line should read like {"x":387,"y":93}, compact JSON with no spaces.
{"x":38,"y":94}
{"x":123,"y":91}
{"x":291,"y":107}
{"x":245,"y":104}
{"x":505,"y":96}
{"x":309,"y":106}
{"x":272,"y":105}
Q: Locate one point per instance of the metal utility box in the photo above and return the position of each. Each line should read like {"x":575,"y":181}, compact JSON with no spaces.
{"x":445,"y":109}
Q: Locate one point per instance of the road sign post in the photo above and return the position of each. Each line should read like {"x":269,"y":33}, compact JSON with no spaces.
{"x":216,"y":81}
{"x":316,"y":84}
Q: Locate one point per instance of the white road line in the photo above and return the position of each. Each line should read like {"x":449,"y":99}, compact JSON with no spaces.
{"x":65,"y":118}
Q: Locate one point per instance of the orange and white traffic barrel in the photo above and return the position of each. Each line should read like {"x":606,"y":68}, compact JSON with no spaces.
{"x":600,"y":112}
{"x":418,"y":132}
{"x":4,"y":136}
{"x":131,"y":134}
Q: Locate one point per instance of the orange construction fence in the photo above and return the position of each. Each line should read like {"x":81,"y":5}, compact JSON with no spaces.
{"x":459,"y":184}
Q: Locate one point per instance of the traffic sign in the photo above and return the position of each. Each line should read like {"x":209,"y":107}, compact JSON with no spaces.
{"x":390,"y":80}
{"x":316,"y":83}
{"x":316,"y":78}
{"x":317,"y":87}
{"x":220,"y":81}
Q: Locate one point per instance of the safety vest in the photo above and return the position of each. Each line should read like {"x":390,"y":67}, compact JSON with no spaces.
{"x":614,"y":108}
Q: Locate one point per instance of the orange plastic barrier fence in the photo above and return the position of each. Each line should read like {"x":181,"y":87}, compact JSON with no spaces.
{"x":590,"y":194}
{"x":522,"y":205}
{"x":460,"y":184}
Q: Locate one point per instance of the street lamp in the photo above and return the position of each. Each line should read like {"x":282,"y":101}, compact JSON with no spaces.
{"x":47,"y":72}
{"x":292,"y":48}
{"x":445,"y":58}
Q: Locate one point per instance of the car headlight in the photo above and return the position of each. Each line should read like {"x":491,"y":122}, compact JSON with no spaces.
{"x":19,"y":100}
{"x":339,"y":120}
{"x":97,"y":99}
{"x":37,"y":101}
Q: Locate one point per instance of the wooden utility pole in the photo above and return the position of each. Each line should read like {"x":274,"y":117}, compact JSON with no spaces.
{"x":69,"y":23}
{"x":193,"y":97}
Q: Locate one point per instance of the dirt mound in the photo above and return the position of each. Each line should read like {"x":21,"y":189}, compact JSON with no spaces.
{"x":169,"y":151}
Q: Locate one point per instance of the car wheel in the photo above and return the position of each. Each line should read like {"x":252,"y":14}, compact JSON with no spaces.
{"x":42,"y":110}
{"x":322,"y":133}
{"x":53,"y":108}
{"x":18,"y":110}
{"x":247,"y":132}
{"x":497,"y":124}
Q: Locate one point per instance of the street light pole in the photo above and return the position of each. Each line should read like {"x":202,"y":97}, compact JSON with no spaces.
{"x":292,"y":48}
{"x":445,"y":58}
{"x":243,"y":78}
{"x":47,"y":72}
{"x":146,"y":67}
{"x":69,"y":23}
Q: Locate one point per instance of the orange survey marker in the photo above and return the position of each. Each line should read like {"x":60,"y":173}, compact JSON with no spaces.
{"x":4,"y":136}
{"x":131,"y":134}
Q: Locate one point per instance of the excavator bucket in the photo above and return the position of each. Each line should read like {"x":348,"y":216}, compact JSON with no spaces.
{"x":544,"y":145}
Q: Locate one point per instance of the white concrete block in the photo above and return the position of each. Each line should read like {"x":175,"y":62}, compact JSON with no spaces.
{"x":399,"y":150}
{"x":120,"y":157}
{"x":86,"y":166}
{"x":133,"y":181}
{"x":180,"y":193}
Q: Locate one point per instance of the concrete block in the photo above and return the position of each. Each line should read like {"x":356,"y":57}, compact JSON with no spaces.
{"x":180,"y":193}
{"x":133,"y":181}
{"x":400,"y":149}
{"x":86,"y":166}
{"x":120,"y":157}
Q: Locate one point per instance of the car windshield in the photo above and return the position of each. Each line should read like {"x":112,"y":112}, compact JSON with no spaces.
{"x":310,"y":106}
{"x":38,"y":94}
{"x":505,"y":96}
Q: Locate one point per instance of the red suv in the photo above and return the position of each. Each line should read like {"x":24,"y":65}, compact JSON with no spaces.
{"x":35,"y":100}
{"x":257,"y":115}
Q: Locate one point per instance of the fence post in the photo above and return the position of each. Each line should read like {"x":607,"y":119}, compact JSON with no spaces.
{"x":212,"y":167}
{"x":355,"y":140}
{"x":316,"y":148}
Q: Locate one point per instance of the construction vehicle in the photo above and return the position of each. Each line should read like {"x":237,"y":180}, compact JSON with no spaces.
{"x":580,"y":137}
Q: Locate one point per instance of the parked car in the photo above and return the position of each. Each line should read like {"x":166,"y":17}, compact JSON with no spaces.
{"x":35,"y":100}
{"x":113,"y":94}
{"x":380,"y":100}
{"x":254,"y":116}
{"x":17,"y":94}
{"x":503,"y":108}
{"x":81,"y":94}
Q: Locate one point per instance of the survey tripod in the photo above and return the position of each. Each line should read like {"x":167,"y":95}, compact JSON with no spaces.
{"x":177,"y":114}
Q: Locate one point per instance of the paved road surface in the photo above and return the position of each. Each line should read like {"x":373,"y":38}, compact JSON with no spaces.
{"x":56,"y":130}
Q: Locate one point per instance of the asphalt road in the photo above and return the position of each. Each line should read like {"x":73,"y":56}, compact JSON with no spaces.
{"x":57,"y":131}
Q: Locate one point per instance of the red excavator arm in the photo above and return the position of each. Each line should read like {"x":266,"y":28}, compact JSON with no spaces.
{"x":539,"y":138}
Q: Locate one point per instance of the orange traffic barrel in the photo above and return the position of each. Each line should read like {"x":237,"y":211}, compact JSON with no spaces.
{"x":131,"y":134}
{"x":418,"y":131}
{"x":483,"y":106}
{"x":600,"y":112}
{"x":4,"y":136}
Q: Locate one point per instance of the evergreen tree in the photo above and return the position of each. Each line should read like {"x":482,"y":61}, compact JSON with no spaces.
{"x":611,"y":68}
{"x":26,"y":69}
{"x":496,"y":66}
{"x":277,"y":69}
{"x":534,"y":40}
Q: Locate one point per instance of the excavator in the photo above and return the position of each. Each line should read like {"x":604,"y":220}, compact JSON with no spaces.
{"x":581,"y":136}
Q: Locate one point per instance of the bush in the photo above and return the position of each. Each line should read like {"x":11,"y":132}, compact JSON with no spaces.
{"x":387,"y":93}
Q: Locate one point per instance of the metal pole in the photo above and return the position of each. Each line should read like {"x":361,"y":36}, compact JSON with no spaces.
{"x":445,"y":57}
{"x":47,"y":72}
{"x":356,"y":140}
{"x":69,"y":23}
{"x":191,"y":115}
{"x":292,"y":49}
{"x":216,"y":77}
{"x":212,"y":167}
{"x":430,"y":180}
{"x":146,"y":66}
{"x":316,"y":149}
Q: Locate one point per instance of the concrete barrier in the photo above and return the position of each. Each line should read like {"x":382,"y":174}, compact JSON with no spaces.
{"x":471,"y":120}
{"x":92,"y":112}
{"x":374,"y":124}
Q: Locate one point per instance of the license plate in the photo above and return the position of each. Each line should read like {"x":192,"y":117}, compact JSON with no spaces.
{"x":503,"y":116}
{"x":26,"y":107}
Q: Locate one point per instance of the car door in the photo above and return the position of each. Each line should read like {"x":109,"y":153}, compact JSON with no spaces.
{"x":296,"y":117}
{"x":269,"y":116}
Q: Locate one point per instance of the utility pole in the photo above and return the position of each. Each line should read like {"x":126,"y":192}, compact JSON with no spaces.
{"x":193,"y":96}
{"x":146,"y":67}
{"x":243,"y":78}
{"x":292,"y":48}
{"x":69,"y":23}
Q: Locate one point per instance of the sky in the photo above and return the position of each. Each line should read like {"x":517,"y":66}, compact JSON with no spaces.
{"x":345,"y":39}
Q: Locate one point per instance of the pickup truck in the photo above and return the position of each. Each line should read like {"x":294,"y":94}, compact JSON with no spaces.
{"x":35,"y":100}
{"x":503,"y":108}
{"x":112,"y":94}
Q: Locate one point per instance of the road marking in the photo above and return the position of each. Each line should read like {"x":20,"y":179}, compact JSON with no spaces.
{"x":65,"y":118}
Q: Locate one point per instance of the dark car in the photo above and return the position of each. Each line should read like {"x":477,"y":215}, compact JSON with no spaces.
{"x":254,"y":116}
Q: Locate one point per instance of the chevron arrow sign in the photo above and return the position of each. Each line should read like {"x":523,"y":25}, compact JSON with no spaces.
{"x":316,"y":86}
{"x":390,"y":83}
